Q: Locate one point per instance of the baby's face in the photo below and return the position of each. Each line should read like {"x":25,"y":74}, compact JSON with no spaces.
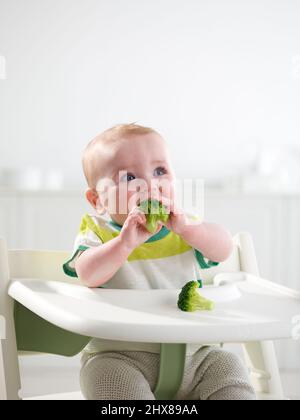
{"x":137,"y":168}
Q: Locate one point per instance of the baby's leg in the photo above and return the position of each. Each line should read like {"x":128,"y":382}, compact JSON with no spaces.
{"x":217,"y":375}
{"x":126,"y":375}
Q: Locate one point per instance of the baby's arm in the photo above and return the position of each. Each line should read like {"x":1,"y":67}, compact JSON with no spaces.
{"x":211,"y":239}
{"x":95,"y":266}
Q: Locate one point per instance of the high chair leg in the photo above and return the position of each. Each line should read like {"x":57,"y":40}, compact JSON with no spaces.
{"x":10,"y":383}
{"x":262,"y":363}
{"x":260,"y":356}
{"x":171,"y":370}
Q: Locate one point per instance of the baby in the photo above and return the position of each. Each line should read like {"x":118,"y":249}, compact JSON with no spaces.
{"x":124,"y":166}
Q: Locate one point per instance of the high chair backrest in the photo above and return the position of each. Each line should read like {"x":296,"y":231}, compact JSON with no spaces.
{"x":36,"y":264}
{"x":34,"y":334}
{"x":47,"y":265}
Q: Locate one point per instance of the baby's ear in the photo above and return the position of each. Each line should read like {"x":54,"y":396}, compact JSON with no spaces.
{"x":93,"y":198}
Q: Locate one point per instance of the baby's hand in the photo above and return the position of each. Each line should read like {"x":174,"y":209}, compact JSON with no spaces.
{"x":134,"y":232}
{"x":177,"y":220}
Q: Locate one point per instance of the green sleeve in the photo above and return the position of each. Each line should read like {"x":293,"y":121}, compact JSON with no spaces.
{"x":202,"y":261}
{"x":69,"y":266}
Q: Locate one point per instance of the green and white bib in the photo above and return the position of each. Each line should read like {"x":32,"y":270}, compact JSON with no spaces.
{"x":164,"y":261}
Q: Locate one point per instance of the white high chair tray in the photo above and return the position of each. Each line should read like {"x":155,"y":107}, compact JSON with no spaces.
{"x":248,"y":308}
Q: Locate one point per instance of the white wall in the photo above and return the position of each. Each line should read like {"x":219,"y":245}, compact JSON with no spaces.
{"x":214,"y":76}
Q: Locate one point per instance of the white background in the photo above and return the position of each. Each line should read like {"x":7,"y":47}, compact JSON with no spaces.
{"x":214,"y":77}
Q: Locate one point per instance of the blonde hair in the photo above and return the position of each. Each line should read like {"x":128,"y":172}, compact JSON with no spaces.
{"x":115,"y":133}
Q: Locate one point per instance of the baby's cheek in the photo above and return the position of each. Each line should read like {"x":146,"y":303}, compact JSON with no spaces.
{"x":122,"y":199}
{"x":132,"y":198}
{"x":112,"y":200}
{"x":166,"y":187}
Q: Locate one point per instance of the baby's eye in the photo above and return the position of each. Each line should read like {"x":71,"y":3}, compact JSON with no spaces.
{"x":159,"y":171}
{"x":127,"y":177}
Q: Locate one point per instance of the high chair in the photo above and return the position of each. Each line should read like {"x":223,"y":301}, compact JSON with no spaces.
{"x":47,"y":312}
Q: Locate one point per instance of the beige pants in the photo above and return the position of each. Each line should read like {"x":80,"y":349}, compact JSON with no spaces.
{"x":210,"y":374}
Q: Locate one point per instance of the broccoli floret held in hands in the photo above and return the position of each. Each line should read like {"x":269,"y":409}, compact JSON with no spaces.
{"x":155,"y":212}
{"x":190,"y":300}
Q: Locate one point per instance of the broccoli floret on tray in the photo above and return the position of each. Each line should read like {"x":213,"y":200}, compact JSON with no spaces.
{"x":190,"y":300}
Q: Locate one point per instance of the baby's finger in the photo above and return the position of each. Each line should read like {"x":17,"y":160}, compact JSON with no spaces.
{"x":140,"y":219}
{"x":140,"y":213}
{"x":137,"y":216}
{"x":135,"y":210}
